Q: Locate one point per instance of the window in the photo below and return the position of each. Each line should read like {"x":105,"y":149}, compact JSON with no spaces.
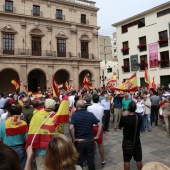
{"x":143,"y":62}
{"x":83,"y":18}
{"x":163,"y":39}
{"x":36,"y":10}
{"x":165,"y":80}
{"x":126,"y":66}
{"x":125,"y":49}
{"x":84,"y":49}
{"x":142,"y":82}
{"x":59,"y":14}
{"x":8,"y":43}
{"x":114,"y":43}
{"x":109,"y":70}
{"x":9,"y":6}
{"x":36,"y":46}
{"x":164,"y":12}
{"x":164,"y":62}
{"x":142,"y":44}
{"x":61,"y":47}
{"x":114,"y":50}
{"x":141,"y":23}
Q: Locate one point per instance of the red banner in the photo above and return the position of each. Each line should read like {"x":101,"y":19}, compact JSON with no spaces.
{"x":153,"y":55}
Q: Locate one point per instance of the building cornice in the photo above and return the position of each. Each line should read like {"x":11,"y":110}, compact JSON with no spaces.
{"x":48,"y":20}
{"x":141,"y":15}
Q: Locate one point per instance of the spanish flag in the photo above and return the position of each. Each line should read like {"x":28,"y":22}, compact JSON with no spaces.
{"x":37,"y":95}
{"x":44,"y":124}
{"x":112,"y":80}
{"x":55,"y":87}
{"x":130,"y":85}
{"x":152,"y":83}
{"x":16,"y":84}
{"x":66,"y":86}
{"x":15,"y":127}
{"x":87,"y":83}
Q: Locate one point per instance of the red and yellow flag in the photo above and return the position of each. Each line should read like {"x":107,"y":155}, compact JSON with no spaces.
{"x":55,"y":87}
{"x":67,"y":86}
{"x":87,"y":83}
{"x":152,"y":83}
{"x":147,"y":79}
{"x":112,"y":81}
{"x":12,"y":128}
{"x":16,"y":84}
{"x":37,"y":95}
{"x":130,"y":85}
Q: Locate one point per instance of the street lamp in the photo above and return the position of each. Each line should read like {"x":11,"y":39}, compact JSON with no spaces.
{"x":103,"y":78}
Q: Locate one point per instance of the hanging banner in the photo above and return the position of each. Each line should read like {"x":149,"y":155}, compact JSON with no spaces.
{"x":153,"y":55}
{"x":134,"y":62}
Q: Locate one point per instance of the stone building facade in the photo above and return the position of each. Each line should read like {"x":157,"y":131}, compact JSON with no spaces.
{"x":143,"y":40}
{"x":43,"y":38}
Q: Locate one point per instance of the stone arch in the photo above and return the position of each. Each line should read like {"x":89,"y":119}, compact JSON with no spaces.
{"x":37,"y":78}
{"x":7,"y":75}
{"x":61,"y":76}
{"x":85,"y":37}
{"x":82,"y":74}
{"x":36,"y":32}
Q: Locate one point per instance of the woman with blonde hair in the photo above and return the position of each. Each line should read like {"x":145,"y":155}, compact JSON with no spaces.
{"x":166,"y":113}
{"x":60,"y":154}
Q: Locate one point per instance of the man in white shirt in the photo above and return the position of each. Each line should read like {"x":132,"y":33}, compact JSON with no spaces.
{"x":98,"y":111}
{"x":105,"y":103}
{"x":71,"y":99}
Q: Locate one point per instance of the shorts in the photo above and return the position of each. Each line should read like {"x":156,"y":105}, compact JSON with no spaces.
{"x":137,"y":155}
{"x":100,"y":139}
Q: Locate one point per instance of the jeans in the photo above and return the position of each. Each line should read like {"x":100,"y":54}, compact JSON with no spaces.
{"x":147,"y":120}
{"x":86,"y":151}
{"x":106,"y":119}
{"x":154,"y":114}
{"x":20,"y":150}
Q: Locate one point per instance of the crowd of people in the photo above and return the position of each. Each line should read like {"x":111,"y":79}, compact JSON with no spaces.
{"x":25,"y":138}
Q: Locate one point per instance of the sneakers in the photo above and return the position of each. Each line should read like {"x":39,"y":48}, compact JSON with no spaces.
{"x":103,"y":163}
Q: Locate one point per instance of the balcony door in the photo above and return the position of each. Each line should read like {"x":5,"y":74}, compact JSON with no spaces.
{"x":84,"y":49}
{"x":36,"y":46}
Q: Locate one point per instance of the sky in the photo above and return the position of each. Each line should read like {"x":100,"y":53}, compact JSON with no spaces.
{"x":112,"y":11}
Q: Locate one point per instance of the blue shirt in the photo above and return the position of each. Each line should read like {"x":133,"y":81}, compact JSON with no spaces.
{"x":105,"y":104}
{"x":83,"y":123}
{"x":117,"y":102}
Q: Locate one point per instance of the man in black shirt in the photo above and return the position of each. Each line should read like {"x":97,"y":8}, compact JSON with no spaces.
{"x":129,"y":123}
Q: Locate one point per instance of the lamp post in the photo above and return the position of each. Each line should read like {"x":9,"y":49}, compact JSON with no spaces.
{"x":103,"y":78}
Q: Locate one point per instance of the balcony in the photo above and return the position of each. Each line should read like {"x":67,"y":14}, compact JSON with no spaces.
{"x":84,"y":21}
{"x":86,"y":55}
{"x":163,"y":42}
{"x":164,"y":63}
{"x":126,"y":68}
{"x":142,"y":65}
{"x":62,"y":17}
{"x":142,"y":47}
{"x":37,"y":14}
{"x":125,"y":51}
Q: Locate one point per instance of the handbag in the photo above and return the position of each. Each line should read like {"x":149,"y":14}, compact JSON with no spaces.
{"x":128,"y":146}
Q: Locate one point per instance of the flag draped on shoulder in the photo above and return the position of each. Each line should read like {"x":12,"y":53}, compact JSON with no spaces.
{"x":86,"y":83}
{"x":36,"y":95}
{"x":16,"y":84}
{"x":44,"y":124}
{"x":130,"y":85}
{"x":15,"y":126}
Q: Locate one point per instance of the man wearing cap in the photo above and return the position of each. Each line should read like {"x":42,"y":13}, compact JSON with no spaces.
{"x":39,"y":136}
{"x":117,"y":109}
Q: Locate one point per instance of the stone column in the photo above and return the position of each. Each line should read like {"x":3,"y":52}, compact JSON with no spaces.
{"x":23,"y":76}
{"x":73,"y":41}
{"x":95,"y":45}
{"x":75,"y":75}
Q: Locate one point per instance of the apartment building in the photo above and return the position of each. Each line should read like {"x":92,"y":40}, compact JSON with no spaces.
{"x":43,"y":38}
{"x":143,"y":41}
{"x":108,"y":64}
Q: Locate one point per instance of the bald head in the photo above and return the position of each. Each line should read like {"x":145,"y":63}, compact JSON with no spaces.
{"x":80,"y":104}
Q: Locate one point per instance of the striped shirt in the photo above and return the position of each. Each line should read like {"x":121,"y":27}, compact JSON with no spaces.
{"x":83,"y":123}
